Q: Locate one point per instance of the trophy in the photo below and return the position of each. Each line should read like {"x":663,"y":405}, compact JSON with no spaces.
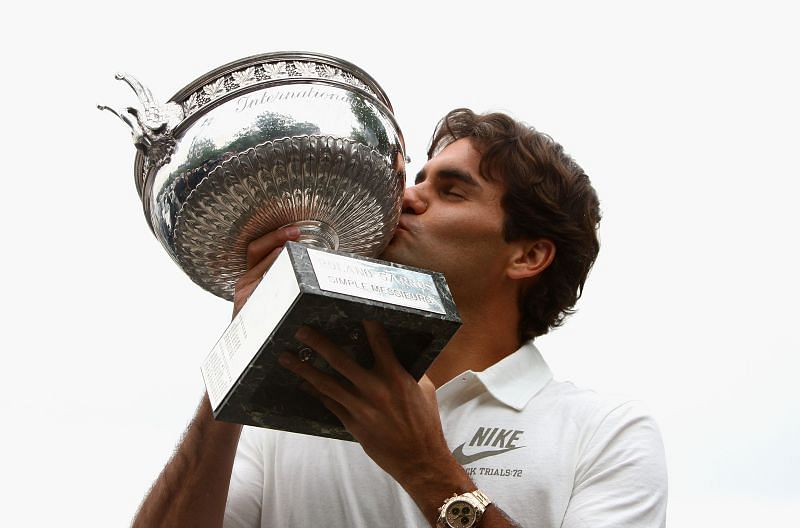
{"x":268,"y":141}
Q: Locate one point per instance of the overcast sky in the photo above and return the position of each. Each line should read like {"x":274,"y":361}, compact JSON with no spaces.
{"x":684,"y":114}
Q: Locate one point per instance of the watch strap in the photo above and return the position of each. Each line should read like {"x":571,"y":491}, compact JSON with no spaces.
{"x":480,"y":497}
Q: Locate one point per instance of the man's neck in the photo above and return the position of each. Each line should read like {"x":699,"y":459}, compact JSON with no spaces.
{"x":483,"y":340}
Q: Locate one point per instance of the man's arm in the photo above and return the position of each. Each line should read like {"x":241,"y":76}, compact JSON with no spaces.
{"x":192,"y":489}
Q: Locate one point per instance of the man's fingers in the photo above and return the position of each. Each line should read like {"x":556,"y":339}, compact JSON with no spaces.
{"x":261,"y":254}
{"x":385,"y":358}
{"x":334,"y":407}
{"x":265,"y":244}
{"x":336,"y":358}
{"x":248,"y":282}
{"x":261,"y":268}
{"x":322,"y":383}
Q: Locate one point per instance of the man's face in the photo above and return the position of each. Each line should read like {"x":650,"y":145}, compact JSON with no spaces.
{"x":452,"y":222}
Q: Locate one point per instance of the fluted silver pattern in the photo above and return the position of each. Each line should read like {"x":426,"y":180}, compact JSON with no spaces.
{"x":334,"y":181}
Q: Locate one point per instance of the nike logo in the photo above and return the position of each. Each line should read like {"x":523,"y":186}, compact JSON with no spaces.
{"x":465,"y":459}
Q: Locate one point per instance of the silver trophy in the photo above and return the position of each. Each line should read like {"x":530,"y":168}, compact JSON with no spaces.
{"x":268,"y":141}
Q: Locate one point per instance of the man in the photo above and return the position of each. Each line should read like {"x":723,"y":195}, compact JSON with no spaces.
{"x":511,"y":222}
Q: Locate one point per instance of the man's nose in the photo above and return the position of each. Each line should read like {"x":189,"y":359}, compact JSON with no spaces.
{"x":413,"y":201}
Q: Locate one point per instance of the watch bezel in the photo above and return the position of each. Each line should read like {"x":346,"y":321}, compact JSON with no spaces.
{"x":447,"y":513}
{"x":468,"y":498}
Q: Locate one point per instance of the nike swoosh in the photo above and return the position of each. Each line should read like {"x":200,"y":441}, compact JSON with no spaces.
{"x":463,"y":459}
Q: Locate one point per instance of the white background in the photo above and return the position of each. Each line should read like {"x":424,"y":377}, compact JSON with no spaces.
{"x":685,"y":115}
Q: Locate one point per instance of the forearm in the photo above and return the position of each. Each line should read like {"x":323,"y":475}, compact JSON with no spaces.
{"x":193,"y":487}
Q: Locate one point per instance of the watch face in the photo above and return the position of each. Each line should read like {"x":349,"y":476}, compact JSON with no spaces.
{"x":460,"y":514}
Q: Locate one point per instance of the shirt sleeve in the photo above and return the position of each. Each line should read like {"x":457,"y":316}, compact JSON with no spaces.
{"x":621,"y":477}
{"x":246,"y":491}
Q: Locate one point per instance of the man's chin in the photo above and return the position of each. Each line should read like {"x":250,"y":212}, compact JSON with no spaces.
{"x":392,"y":253}
{"x":388,"y":254}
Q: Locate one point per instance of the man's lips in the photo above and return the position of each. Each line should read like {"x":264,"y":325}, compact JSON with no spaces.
{"x":401,"y":230}
{"x":403,"y":225}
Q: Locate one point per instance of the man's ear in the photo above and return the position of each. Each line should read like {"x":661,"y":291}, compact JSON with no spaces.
{"x":531,"y":258}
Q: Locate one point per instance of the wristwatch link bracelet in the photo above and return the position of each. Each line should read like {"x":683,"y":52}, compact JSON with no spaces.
{"x":463,"y":511}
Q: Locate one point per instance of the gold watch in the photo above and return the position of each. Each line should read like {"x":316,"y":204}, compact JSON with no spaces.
{"x":463,"y":511}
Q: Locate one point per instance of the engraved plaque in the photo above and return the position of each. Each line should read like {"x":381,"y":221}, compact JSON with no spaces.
{"x":376,"y":281}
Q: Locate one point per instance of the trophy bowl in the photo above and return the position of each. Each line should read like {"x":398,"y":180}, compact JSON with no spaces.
{"x":271,"y":140}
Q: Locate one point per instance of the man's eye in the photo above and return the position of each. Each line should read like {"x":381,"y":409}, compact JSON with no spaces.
{"x":452,"y":194}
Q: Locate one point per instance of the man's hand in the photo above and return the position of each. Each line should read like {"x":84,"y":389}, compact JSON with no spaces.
{"x":395,"y":419}
{"x":261,"y":253}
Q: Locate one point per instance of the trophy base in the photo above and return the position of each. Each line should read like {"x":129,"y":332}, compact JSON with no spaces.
{"x":331,"y":292}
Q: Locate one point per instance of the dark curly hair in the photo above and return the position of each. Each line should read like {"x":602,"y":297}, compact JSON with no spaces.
{"x":546,"y":195}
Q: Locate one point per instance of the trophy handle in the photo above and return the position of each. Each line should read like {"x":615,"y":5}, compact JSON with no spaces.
{"x":152,"y":134}
{"x":152,"y":115}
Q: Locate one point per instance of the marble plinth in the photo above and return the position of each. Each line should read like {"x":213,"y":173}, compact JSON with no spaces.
{"x":331,"y":292}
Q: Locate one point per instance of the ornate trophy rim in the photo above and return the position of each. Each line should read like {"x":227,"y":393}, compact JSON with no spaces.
{"x":362,"y":80}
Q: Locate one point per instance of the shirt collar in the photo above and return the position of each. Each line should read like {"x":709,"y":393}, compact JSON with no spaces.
{"x":518,"y":377}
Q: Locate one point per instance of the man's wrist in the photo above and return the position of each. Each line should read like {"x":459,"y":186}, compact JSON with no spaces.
{"x":431,"y":484}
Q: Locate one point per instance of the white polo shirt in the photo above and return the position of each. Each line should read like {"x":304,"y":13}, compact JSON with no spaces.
{"x":547,"y":453}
